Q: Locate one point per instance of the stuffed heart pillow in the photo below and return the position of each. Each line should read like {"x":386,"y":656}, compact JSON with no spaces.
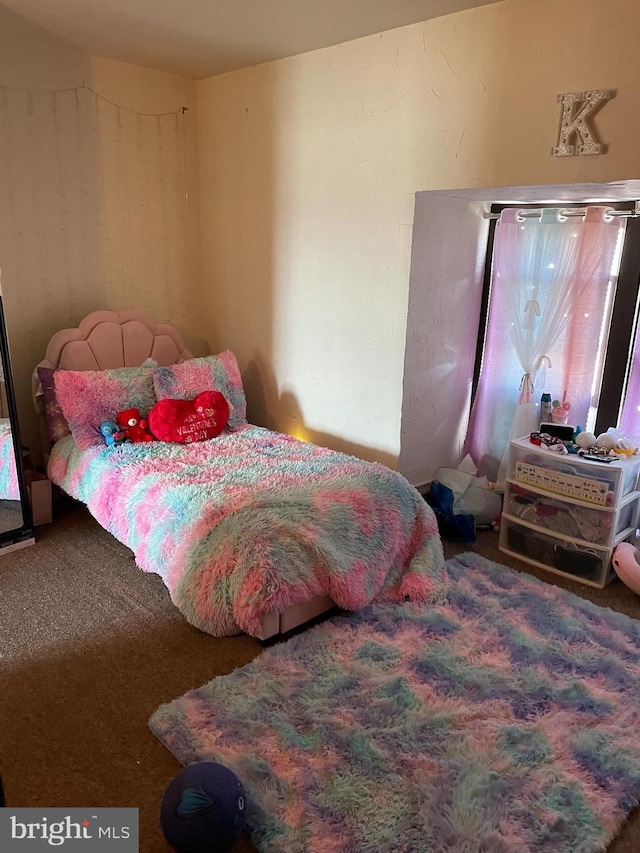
{"x":185,"y":421}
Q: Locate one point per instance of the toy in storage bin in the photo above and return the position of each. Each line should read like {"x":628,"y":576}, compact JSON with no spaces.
{"x":566,"y":514}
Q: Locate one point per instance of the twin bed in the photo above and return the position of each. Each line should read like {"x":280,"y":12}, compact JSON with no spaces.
{"x":251,"y":531}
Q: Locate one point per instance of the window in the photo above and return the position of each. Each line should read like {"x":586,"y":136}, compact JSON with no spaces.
{"x":566,"y":326}
{"x":620,"y":397}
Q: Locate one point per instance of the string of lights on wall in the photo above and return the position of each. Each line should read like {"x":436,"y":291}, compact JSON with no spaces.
{"x":93,"y":190}
{"x":86,"y":87}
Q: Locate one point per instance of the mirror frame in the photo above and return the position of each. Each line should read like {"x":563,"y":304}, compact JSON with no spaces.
{"x":18,"y":535}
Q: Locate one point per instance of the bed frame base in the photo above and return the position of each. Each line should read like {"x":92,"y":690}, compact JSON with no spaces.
{"x":278,"y":623}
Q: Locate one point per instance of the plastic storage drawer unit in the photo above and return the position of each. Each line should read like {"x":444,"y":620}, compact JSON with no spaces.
{"x":566,"y":514}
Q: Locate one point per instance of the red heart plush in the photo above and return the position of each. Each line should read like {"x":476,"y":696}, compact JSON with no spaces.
{"x":185,"y":421}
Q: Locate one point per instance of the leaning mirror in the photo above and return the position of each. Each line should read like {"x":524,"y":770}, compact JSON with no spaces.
{"x":16,"y":528}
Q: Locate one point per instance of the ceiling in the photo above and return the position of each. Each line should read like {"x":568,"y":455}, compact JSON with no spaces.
{"x":201,"y":38}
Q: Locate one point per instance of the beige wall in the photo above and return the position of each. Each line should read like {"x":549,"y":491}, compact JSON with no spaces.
{"x":94,"y":209}
{"x":309,"y":168}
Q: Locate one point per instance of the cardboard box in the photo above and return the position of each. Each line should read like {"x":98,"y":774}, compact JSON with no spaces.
{"x":40,"y":497}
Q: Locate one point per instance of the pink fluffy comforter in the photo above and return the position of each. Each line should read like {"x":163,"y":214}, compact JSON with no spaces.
{"x":254,"y":521}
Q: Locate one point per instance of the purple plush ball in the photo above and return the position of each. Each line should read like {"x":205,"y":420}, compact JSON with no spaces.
{"x":203,"y":809}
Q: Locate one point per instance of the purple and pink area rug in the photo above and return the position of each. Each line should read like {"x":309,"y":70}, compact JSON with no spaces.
{"x":504,"y":716}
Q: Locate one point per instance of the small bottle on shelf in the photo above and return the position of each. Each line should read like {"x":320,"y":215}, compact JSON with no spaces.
{"x":546,"y":408}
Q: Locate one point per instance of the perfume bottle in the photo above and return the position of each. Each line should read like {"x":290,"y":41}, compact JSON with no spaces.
{"x":546,"y":407}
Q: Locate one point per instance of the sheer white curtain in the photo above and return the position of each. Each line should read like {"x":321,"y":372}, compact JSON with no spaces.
{"x":545,"y":271}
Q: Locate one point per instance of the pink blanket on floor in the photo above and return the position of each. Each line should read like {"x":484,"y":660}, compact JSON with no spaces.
{"x":254,"y":521}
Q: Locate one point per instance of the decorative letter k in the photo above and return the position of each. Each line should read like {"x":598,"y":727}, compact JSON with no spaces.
{"x":577,"y":107}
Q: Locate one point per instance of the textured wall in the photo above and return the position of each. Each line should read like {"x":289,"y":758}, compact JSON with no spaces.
{"x":309,"y":167}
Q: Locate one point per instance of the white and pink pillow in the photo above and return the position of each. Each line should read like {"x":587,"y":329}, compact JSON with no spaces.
{"x":89,"y":397}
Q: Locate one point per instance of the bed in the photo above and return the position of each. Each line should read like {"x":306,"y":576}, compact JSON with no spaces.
{"x":252,"y":530}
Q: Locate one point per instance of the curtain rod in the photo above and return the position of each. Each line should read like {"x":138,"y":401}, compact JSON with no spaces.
{"x":536,"y":213}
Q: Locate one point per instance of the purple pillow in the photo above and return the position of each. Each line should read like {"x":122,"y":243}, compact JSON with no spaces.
{"x":57,"y":426}
{"x":186,"y":380}
{"x":89,"y":397}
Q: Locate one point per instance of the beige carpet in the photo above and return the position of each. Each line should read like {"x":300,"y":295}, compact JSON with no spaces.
{"x":90,"y":646}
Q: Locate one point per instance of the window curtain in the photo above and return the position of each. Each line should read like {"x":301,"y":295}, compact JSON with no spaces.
{"x":549,"y":301}
{"x":629,"y":423}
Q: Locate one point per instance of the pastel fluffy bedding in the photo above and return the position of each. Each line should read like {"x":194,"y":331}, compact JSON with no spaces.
{"x":254,"y":521}
{"x":9,"y":489}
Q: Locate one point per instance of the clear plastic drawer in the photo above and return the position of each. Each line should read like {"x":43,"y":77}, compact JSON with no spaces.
{"x":570,"y":475}
{"x":587,"y":563}
{"x":594,"y":524}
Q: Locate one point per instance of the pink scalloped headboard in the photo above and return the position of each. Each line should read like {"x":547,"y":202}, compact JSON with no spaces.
{"x":107,"y":339}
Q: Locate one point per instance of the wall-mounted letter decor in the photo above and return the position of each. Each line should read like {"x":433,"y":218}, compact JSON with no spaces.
{"x":577,"y":134}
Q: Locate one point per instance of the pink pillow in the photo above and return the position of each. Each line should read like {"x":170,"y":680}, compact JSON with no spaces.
{"x":89,"y":397}
{"x":214,"y":373}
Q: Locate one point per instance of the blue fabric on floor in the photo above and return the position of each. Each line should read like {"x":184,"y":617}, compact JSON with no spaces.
{"x":459,"y":527}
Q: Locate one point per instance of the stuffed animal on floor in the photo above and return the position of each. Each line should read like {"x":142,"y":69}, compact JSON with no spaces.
{"x":203,"y":809}
{"x":113,"y":436}
{"x":625,"y":562}
{"x":134,"y":427}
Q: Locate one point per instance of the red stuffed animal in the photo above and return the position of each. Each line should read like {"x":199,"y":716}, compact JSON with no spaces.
{"x":133,"y":427}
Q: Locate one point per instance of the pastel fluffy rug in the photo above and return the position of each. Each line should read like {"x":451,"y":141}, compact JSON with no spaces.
{"x":504,"y":716}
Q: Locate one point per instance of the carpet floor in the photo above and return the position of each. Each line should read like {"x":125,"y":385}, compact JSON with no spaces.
{"x":90,"y":647}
